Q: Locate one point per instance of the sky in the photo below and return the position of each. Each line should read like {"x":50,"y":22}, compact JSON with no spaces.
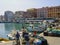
{"x":23,"y":5}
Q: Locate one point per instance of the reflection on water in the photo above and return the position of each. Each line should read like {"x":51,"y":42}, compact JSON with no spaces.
{"x":17,"y":26}
{"x":5,"y":28}
{"x":2,"y":30}
{"x":9,"y":26}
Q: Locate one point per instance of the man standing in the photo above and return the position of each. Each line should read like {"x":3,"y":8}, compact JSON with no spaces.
{"x":17,"y":38}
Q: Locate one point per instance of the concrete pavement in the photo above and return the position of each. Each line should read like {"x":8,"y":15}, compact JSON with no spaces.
{"x":52,"y":40}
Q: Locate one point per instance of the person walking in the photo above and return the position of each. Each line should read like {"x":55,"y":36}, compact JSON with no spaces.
{"x":26,"y":37}
{"x":17,"y":38}
{"x":34,"y":33}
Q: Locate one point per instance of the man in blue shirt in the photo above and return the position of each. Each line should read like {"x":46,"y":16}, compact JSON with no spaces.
{"x":17,"y":38}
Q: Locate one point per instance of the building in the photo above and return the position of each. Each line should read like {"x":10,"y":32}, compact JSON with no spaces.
{"x":48,"y":12}
{"x":42,"y":12}
{"x":1,"y":18}
{"x":26,"y":15}
{"x":19,"y":15}
{"x":32,"y":12}
{"x":9,"y":15}
{"x":54,"y":12}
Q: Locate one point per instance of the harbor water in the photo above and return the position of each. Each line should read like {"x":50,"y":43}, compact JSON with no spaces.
{"x":6,"y":28}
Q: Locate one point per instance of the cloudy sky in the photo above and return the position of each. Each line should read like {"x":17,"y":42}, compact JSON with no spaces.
{"x":16,"y":5}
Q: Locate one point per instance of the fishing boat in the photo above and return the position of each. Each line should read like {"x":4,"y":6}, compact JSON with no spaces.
{"x":52,"y":32}
{"x":37,"y":29}
{"x":11,"y":35}
{"x":33,"y":40}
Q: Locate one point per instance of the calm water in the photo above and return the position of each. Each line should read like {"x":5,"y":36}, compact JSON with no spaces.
{"x":6,"y":28}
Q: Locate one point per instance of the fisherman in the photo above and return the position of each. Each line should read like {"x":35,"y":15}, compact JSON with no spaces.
{"x":23,"y":31}
{"x":25,"y":35}
{"x":17,"y":38}
{"x":34,"y":33}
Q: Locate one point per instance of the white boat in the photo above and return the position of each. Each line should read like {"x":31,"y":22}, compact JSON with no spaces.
{"x":11,"y":36}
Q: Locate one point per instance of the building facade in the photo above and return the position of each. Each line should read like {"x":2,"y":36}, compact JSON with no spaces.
{"x":42,"y":12}
{"x":49,"y":12}
{"x":32,"y":12}
{"x":26,"y":15}
{"x":1,"y":18}
{"x":54,"y":12}
{"x":9,"y":15}
{"x":19,"y":14}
